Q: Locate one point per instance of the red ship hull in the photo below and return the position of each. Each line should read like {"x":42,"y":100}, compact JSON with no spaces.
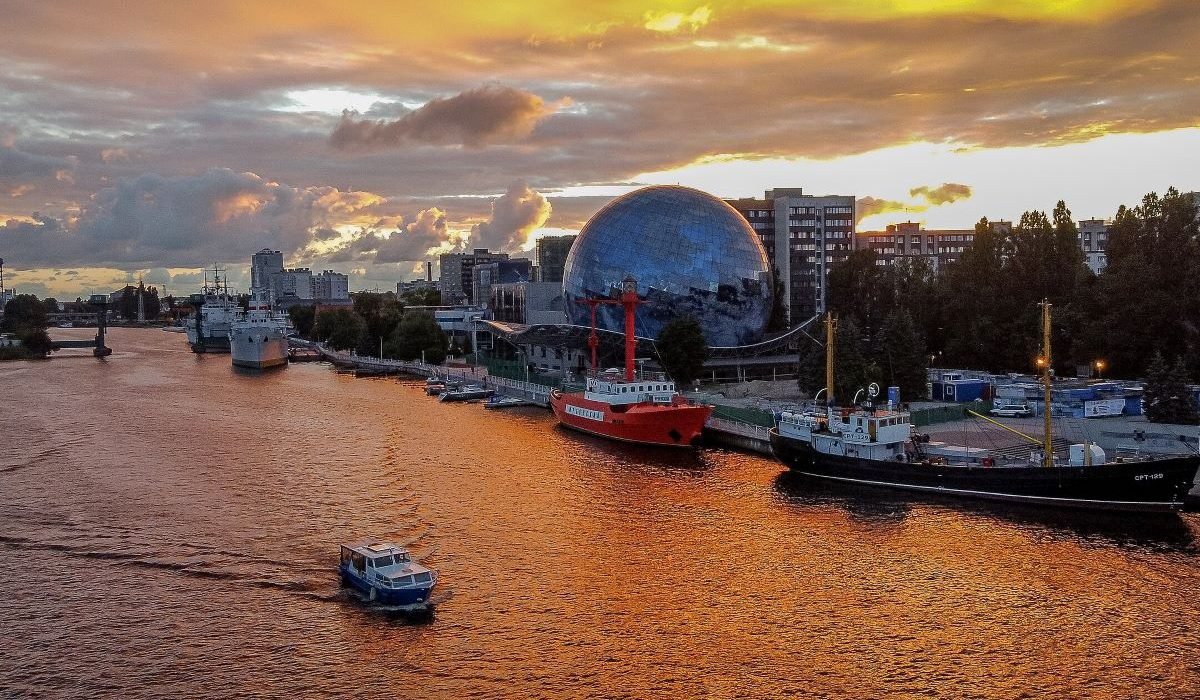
{"x":678,"y":424}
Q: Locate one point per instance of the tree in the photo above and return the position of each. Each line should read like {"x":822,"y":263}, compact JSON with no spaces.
{"x":422,"y":297}
{"x":416,"y":334}
{"x":51,"y":305}
{"x":381,"y":312}
{"x":23,"y":312}
{"x":861,"y":288}
{"x":341,"y":329}
{"x":682,"y":350}
{"x":901,"y":355}
{"x":36,"y":341}
{"x":1167,"y":397}
{"x":303,"y":317}
{"x":778,"y":320}
{"x":853,"y":368}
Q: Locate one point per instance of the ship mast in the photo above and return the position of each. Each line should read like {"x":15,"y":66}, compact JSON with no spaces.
{"x":629,"y":300}
{"x":1048,"y":448}
{"x":830,"y":326}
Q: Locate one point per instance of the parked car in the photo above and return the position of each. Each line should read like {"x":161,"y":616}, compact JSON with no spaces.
{"x":1012,"y":411}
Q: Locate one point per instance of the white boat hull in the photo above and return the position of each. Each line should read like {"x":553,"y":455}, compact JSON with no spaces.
{"x":258,"y":346}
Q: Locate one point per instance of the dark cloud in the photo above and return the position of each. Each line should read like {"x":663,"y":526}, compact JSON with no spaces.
{"x":475,"y":118}
{"x":217,"y":216}
{"x":515,"y":214}
{"x":944,"y":194}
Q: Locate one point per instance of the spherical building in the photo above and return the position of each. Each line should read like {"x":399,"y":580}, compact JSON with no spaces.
{"x":691,"y":254}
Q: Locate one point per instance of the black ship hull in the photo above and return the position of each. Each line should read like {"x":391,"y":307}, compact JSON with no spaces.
{"x":1152,"y":486}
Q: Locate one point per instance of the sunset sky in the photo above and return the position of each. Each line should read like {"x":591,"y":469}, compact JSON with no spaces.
{"x":154,"y":138}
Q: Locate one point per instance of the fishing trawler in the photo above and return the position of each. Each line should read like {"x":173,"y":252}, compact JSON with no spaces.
{"x":644,"y":410}
{"x":258,"y":336}
{"x":215,"y":309}
{"x":877,"y":447}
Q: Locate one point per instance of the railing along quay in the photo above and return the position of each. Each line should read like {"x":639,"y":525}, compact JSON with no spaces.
{"x":720,"y":431}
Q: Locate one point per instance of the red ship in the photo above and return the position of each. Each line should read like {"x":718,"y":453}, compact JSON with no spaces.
{"x":646,"y":411}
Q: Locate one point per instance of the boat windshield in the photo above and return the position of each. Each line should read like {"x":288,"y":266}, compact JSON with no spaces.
{"x":402,"y":581}
{"x":422,"y":577}
{"x":380,"y":562}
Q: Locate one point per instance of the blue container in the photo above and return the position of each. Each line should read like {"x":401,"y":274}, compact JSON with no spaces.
{"x":894,"y":395}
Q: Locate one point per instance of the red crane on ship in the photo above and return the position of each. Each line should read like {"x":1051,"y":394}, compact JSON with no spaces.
{"x":629,"y":299}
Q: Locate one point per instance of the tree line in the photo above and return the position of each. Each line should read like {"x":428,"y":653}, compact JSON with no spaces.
{"x":981,"y":312}
{"x":378,"y":323}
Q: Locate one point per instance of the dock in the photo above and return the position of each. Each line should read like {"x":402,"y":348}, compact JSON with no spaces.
{"x":721,"y":432}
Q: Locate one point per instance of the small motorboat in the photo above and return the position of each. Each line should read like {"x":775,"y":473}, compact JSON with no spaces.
{"x":385,"y":574}
{"x":499,"y":401}
{"x":433,"y":386}
{"x":467,"y":393}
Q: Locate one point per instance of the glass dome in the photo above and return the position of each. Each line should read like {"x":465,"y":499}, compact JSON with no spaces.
{"x":691,"y":254}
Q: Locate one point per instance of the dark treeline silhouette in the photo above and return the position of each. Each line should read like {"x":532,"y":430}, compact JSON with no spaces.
{"x":981,"y":312}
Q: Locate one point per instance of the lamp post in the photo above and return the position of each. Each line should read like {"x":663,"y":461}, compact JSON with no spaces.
{"x":1100,"y":369}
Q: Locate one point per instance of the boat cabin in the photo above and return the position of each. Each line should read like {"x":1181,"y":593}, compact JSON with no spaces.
{"x":384,"y":565}
{"x":618,"y":391}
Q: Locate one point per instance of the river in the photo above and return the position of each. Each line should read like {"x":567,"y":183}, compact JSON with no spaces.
{"x":169,"y":527}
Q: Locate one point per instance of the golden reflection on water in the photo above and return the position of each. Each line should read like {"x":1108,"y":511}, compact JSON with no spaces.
{"x":573,"y":567}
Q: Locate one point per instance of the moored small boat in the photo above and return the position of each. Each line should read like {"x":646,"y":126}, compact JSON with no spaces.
{"x":467,"y":393}
{"x":499,"y":401}
{"x":385,"y":574}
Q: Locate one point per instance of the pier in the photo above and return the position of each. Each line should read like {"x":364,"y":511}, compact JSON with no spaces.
{"x":99,"y":349}
{"x":721,"y":432}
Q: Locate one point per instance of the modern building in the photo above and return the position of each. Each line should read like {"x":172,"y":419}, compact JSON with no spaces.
{"x":550,"y":257}
{"x":909,"y":240}
{"x":689,"y":253}
{"x":1093,"y":239}
{"x":484,"y":275}
{"x":297,"y":282}
{"x":805,"y":236}
{"x":403,"y":288}
{"x":264,"y":266}
{"x":456,"y":282}
{"x":330,"y":285}
{"x":527,"y":302}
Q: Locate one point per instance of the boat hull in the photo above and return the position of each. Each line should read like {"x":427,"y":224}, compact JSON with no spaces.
{"x":258,"y":347}
{"x":1151,"y":486}
{"x":413,"y":597}
{"x":676,"y":425}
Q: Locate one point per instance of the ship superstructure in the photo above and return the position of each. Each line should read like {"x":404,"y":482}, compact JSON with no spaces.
{"x":258,"y":336}
{"x":622,"y":406}
{"x":215,"y":309}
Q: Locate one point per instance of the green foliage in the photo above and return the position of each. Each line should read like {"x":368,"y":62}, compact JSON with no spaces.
{"x":1148,"y":297}
{"x":901,"y":355}
{"x":303,"y":319}
{"x":422,"y":297}
{"x":382,"y":313}
{"x":1167,"y":397}
{"x":854,"y":368}
{"x":23,"y":311}
{"x":778,"y":320}
{"x":417,"y":332}
{"x":150,"y":303}
{"x":682,"y":350}
{"x":36,"y":342}
{"x":341,"y":329}
{"x":51,"y":305}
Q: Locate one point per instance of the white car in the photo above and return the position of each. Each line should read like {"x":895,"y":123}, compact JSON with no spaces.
{"x":1012,"y":411}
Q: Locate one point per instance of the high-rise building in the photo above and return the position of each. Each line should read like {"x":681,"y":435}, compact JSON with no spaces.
{"x":1093,"y":240}
{"x":484,"y":275}
{"x":457,"y":281}
{"x":331,"y":285}
{"x":264,"y":266}
{"x":297,"y":282}
{"x":550,"y":256}
{"x":909,"y":240}
{"x":805,"y":236}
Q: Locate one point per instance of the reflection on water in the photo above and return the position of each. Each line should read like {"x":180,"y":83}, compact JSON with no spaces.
{"x":169,"y":527}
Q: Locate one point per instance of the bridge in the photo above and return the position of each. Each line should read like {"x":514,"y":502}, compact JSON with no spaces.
{"x":99,"y":349}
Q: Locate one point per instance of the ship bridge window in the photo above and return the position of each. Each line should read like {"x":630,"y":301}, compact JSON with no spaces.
{"x":402,"y":581}
{"x":360,"y":562}
{"x":380,"y":562}
{"x":422,"y":577}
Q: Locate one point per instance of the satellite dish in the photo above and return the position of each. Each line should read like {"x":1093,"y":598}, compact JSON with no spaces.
{"x":873,"y":390}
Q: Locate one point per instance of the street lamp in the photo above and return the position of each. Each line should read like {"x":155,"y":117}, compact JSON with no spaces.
{"x":1100,"y":364}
